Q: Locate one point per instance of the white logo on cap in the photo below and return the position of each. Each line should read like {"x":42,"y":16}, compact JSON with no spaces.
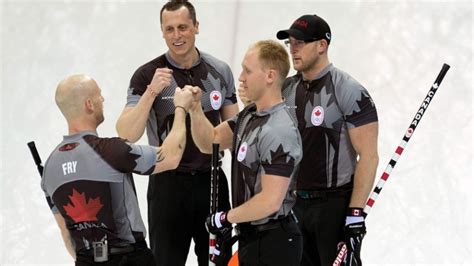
{"x":216,"y":99}
{"x":317,"y":116}
{"x":328,"y":35}
{"x":242,"y":152}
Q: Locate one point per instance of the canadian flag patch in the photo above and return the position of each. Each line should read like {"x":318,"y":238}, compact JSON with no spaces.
{"x":216,"y":99}
{"x":317,"y":116}
{"x":242,"y":152}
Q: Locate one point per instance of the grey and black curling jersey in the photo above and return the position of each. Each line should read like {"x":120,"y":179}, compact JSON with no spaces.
{"x":90,"y":184}
{"x":213,"y":76}
{"x":326,"y":108}
{"x":265,"y":142}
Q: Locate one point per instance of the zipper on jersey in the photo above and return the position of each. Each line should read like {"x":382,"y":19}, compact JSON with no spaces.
{"x":300,"y":111}
{"x":190,"y":76}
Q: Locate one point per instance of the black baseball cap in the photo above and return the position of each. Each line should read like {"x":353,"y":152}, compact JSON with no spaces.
{"x":307,"y":28}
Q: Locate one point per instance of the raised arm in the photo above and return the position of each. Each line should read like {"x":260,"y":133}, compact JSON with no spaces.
{"x":203,"y":132}
{"x":170,"y":153}
{"x":131,"y":123}
{"x":229,"y":111}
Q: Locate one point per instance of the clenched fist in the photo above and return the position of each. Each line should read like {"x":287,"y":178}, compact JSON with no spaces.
{"x":183,"y":98}
{"x":161,"y":80}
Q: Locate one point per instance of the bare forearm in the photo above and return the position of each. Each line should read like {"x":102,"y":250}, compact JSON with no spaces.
{"x":202,"y":130}
{"x":69,"y":246}
{"x":264,"y":203}
{"x":66,"y":236}
{"x":364,"y":141}
{"x":171,"y":151}
{"x":364,"y":177}
{"x":254,"y":209}
{"x":131,"y":123}
{"x":176,"y":139}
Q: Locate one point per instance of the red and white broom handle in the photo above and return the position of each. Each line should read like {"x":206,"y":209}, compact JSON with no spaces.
{"x":398,"y":152}
{"x":214,"y":193}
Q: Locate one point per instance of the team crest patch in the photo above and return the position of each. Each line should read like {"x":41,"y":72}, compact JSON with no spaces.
{"x":317,"y":116}
{"x":216,"y":99}
{"x":242,"y":152}
{"x":69,"y":146}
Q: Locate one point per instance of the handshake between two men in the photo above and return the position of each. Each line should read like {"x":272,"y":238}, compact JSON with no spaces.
{"x":187,"y":98}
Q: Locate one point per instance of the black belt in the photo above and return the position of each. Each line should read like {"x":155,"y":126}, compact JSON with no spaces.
{"x":247,"y":228}
{"x":117,"y":250}
{"x":195,"y":171}
{"x":321,"y":194}
{"x":192,"y":172}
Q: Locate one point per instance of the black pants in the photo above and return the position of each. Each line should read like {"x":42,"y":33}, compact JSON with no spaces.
{"x":279,"y":246}
{"x":321,"y":221}
{"x":178,"y":204}
{"x":142,"y":257}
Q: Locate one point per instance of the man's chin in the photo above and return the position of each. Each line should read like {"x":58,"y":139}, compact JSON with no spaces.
{"x":179,"y":50}
{"x":297,"y":64}
{"x":100,"y":120}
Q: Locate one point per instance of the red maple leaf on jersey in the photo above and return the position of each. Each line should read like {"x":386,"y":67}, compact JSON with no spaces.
{"x":81,"y":210}
{"x":215,"y":97}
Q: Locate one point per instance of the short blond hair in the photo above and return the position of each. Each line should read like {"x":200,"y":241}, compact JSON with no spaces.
{"x":273,"y":55}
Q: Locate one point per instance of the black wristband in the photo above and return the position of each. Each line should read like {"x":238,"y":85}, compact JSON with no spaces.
{"x":178,"y":106}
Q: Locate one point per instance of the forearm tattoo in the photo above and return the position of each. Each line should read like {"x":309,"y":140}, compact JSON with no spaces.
{"x":159,"y":155}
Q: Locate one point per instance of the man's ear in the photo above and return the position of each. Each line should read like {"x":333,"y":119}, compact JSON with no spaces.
{"x":197,"y":27}
{"x":322,"y":46}
{"x":271,"y":75}
{"x":89,"y":105}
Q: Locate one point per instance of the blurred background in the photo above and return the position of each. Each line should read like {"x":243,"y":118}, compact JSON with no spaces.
{"x":394,"y":48}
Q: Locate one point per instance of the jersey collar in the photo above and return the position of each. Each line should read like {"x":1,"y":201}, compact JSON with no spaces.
{"x":323,"y":72}
{"x":79,"y":135}
{"x":176,"y":65}
{"x":271,"y":110}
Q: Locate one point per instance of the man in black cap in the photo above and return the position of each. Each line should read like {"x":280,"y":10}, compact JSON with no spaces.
{"x":338,"y":123}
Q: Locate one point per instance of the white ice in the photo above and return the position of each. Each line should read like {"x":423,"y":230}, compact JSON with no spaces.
{"x":394,"y":48}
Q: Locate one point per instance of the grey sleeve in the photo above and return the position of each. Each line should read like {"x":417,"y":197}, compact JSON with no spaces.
{"x":48,"y":197}
{"x":356,"y":103}
{"x":136,"y":88}
{"x":146,"y":161}
{"x":132,"y":99}
{"x":124,"y":156}
{"x":280,"y":150}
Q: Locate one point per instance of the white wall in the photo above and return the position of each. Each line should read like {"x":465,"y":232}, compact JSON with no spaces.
{"x":396,"y":49}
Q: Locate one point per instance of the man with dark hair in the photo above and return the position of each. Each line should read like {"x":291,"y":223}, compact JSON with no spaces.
{"x":337,"y":120}
{"x":178,"y":201}
{"x":89,"y":181}
{"x":266,"y":150}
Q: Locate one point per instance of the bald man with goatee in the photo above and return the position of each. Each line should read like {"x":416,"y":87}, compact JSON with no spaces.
{"x":89,"y":179}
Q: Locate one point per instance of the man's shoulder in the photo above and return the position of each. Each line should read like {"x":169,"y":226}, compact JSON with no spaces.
{"x":159,"y":61}
{"x":343,"y":79}
{"x":104,"y":143}
{"x":214,"y":61}
{"x":278,"y":121}
{"x":291,"y":81}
